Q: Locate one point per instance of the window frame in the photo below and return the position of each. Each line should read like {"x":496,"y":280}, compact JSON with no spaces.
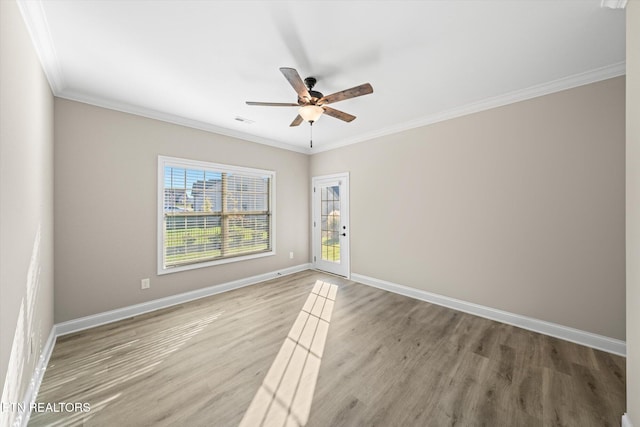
{"x":163,"y":162}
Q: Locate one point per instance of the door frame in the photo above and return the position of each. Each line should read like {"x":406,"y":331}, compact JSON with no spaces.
{"x":345,"y":241}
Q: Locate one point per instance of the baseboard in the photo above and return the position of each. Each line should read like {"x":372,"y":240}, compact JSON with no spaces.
{"x":577,"y":336}
{"x":31,"y":393}
{"x":114,"y":315}
{"x":626,"y":421}
{"x":94,"y":320}
{"x":569,"y":334}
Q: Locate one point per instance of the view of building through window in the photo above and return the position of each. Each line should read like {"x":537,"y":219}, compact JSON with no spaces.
{"x":330,"y":223}
{"x":211,"y":214}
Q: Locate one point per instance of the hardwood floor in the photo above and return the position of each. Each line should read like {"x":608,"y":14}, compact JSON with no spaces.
{"x":388,"y":360}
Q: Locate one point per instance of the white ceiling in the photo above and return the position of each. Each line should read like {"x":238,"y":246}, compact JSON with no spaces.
{"x":197,"y":62}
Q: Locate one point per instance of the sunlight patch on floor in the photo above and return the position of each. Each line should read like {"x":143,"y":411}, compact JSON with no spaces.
{"x":285,"y":396}
{"x":120,"y":365}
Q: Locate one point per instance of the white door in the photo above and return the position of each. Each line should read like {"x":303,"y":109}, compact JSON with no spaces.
{"x":330,"y":223}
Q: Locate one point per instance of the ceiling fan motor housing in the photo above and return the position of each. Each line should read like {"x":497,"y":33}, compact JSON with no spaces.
{"x":310,"y":82}
{"x":315,"y":95}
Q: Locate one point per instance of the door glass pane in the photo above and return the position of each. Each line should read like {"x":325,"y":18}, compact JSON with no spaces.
{"x":330,"y":223}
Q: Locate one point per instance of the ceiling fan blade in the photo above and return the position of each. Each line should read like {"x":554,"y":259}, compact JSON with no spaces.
{"x":273,"y":104}
{"x":363,"y":89}
{"x":296,"y":121}
{"x":294,"y":80}
{"x":338,"y":114}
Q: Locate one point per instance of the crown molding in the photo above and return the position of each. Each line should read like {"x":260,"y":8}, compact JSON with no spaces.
{"x":175,"y":119}
{"x":569,"y":82}
{"x":558,"y":85}
{"x":580,"y":79}
{"x":38,"y":27}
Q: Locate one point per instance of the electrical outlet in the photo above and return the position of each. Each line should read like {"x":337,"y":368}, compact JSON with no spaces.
{"x":145,"y":284}
{"x":290,"y":255}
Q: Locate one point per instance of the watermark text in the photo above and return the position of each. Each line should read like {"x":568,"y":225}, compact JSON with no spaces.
{"x":63,"y":407}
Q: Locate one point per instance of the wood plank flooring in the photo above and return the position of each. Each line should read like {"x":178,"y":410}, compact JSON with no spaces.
{"x":388,"y":360}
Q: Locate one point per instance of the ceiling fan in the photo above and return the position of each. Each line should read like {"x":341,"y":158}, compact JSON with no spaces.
{"x":313,"y":103}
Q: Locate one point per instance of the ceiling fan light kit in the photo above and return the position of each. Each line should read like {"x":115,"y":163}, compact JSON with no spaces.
{"x":310,"y":113}
{"x":313,"y":103}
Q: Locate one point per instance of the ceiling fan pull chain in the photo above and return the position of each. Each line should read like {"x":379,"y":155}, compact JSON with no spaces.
{"x":311,"y":133}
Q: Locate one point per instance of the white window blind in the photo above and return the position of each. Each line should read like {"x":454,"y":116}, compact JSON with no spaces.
{"x":211,"y":213}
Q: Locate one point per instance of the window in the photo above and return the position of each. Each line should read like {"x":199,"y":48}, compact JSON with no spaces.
{"x":211,"y":214}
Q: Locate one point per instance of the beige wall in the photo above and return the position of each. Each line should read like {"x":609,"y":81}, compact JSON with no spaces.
{"x":105,"y":207}
{"x":633,"y":211}
{"x":520,"y":208}
{"x":26,"y":208}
